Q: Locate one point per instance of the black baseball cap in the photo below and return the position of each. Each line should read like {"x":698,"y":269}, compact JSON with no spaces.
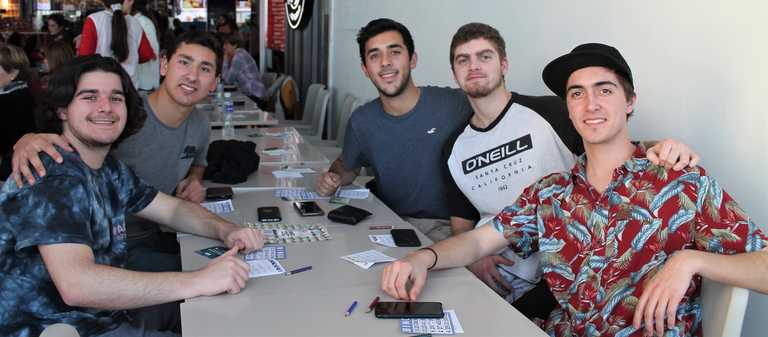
{"x":557,"y":72}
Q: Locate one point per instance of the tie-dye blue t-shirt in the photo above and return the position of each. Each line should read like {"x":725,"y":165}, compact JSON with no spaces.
{"x":71,"y":204}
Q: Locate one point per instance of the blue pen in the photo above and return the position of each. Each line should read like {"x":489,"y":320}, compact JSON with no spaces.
{"x":299,"y":270}
{"x":351,"y":308}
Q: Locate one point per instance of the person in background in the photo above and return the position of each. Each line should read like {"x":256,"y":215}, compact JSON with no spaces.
{"x":59,"y":29}
{"x":63,"y":240}
{"x":17,"y":101}
{"x":147,"y":73}
{"x":112,"y":33}
{"x":178,"y":29}
{"x":225,"y":25}
{"x":57,"y":54}
{"x":240,"y":68}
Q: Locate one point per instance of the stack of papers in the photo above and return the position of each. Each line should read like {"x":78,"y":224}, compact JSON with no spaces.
{"x":219,"y":207}
{"x":367,"y":258}
{"x":276,"y":152}
{"x":349,"y":192}
{"x":448,"y":325}
{"x":261,"y":268}
{"x":385,"y":240}
{"x":267,"y":253}
{"x":290,"y":172}
{"x":287,"y":233}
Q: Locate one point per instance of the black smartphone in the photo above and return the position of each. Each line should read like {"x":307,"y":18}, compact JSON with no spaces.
{"x":218,"y":193}
{"x":269,"y":214}
{"x":405,"y":238}
{"x":308,"y":208}
{"x":409,"y":310}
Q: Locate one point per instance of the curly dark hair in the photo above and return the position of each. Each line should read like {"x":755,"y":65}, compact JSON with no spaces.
{"x":63,"y":86}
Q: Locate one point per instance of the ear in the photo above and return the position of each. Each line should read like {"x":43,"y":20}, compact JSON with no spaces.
{"x":414,"y":59}
{"x":504,"y":66}
{"x":631,"y":105}
{"x":62,"y":113}
{"x":164,"y":66}
{"x":212,"y":87}
{"x":13,"y":73}
{"x":365,"y":70}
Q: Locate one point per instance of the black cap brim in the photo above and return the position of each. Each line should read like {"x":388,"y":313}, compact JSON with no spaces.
{"x":557,"y":72}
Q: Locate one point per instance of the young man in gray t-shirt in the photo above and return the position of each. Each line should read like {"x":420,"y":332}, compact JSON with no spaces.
{"x":400,"y":134}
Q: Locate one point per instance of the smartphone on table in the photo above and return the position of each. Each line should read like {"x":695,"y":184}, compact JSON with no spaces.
{"x":405,"y":237}
{"x":308,"y":208}
{"x":409,"y":310}
{"x":269,"y":214}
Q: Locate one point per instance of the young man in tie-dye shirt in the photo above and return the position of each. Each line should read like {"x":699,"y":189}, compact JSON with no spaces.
{"x":625,"y":242}
{"x":63,"y":239}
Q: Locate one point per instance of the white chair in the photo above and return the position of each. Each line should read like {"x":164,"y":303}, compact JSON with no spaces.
{"x":307,"y":116}
{"x":315,"y":130}
{"x":60,"y":330}
{"x":723,"y":308}
{"x":331,"y":149}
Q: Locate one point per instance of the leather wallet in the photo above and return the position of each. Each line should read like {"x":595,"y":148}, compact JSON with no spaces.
{"x":348,"y":214}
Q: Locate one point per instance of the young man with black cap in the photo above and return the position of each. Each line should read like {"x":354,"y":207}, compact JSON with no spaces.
{"x":624,"y":242}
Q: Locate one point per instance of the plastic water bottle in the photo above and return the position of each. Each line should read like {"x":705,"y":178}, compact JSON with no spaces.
{"x":228,"y":130}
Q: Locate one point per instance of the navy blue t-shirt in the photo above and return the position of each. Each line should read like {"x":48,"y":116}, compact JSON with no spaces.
{"x":406,"y":151}
{"x":71,"y":204}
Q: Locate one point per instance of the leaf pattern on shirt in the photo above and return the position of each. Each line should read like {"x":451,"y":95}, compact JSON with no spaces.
{"x":598,"y":251}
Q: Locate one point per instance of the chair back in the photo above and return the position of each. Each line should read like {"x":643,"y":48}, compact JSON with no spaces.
{"x":310,"y":102}
{"x":723,"y":308}
{"x":319,"y":112}
{"x":350,"y":104}
{"x":289,"y":99}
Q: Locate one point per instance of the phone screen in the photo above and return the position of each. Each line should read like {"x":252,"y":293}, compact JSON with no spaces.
{"x":409,"y":310}
{"x":307,"y":208}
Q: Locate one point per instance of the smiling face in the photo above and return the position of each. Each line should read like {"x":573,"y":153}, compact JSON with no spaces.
{"x":190,"y":74}
{"x":598,"y":106}
{"x":478,"y":68}
{"x":388,"y":64}
{"x":97,"y":114}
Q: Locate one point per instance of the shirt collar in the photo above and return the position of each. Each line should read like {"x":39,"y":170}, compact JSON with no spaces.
{"x":13,"y":86}
{"x":636,"y":164}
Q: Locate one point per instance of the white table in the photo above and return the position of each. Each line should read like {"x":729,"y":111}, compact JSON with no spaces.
{"x":312,"y":303}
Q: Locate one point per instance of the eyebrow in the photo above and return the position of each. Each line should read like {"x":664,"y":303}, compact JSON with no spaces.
{"x":484,"y":51}
{"x":95,"y":91}
{"x":391,"y":46}
{"x":598,"y":84}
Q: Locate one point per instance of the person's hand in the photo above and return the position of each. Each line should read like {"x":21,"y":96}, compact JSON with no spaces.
{"x":397,"y":274}
{"x":672,"y":154}
{"x":244,"y":239}
{"x":663,"y":293}
{"x":327,"y":183}
{"x":26,"y":152}
{"x":225,"y":273}
{"x":485,"y":270}
{"x":191,"y":189}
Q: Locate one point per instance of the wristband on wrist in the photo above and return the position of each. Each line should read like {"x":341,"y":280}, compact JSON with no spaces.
{"x":433,"y":253}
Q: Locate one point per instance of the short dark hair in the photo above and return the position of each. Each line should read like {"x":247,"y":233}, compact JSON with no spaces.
{"x":201,"y":39}
{"x":379,"y":26}
{"x":63,"y":86}
{"x":59,"y":19}
{"x":14,"y":58}
{"x":476,"y":30}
